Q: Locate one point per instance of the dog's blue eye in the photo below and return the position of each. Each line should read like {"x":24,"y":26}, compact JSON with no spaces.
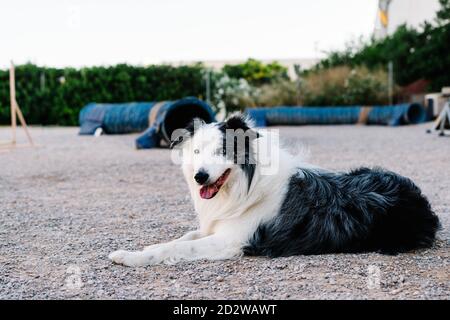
{"x":196,"y":151}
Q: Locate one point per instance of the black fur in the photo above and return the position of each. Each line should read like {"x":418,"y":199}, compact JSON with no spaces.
{"x":364,"y":210}
{"x":182,"y":135}
{"x":242,"y":154}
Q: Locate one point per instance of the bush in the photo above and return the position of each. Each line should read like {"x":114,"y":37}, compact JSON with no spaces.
{"x":325,"y":87}
{"x":257,"y":73}
{"x":55,"y":96}
{"x":231,"y":94}
{"x":280,"y":93}
{"x":345,"y":86}
{"x":415,"y":54}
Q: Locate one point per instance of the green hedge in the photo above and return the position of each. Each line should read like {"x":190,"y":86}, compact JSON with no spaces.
{"x":55,"y":96}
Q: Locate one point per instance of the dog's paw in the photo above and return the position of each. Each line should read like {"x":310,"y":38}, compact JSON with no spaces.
{"x":128,"y":258}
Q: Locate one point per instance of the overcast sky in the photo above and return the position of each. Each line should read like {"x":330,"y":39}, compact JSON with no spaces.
{"x":101,"y":32}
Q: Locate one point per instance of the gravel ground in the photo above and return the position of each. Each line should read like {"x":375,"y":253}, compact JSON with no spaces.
{"x":70,"y":202}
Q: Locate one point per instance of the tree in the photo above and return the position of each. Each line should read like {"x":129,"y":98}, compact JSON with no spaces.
{"x":256,"y":72}
{"x":416,"y":54}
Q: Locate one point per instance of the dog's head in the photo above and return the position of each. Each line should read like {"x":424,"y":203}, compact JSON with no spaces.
{"x":219,"y":154}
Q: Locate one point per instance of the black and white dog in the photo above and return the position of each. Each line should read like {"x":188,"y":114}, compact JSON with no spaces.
{"x":298,"y":210}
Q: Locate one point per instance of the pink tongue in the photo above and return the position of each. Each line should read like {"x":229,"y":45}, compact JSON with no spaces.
{"x":207,"y":192}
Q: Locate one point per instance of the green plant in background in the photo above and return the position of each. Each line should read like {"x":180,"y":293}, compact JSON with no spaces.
{"x":345,"y":86}
{"x":231,"y":94}
{"x":279,"y":93}
{"x":257,"y":73}
{"x":364,"y":87}
{"x":55,"y":96}
{"x":416,"y":54}
{"x":252,"y":84}
{"x":443,"y":15}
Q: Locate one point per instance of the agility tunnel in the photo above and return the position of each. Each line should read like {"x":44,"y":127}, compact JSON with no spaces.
{"x":158,"y":119}
{"x":395,"y":115}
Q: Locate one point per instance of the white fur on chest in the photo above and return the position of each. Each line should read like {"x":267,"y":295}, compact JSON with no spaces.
{"x":238,"y":211}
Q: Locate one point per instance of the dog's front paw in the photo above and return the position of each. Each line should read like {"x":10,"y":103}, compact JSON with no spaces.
{"x":128,"y":258}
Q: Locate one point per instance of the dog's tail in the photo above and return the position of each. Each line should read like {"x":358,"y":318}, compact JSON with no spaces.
{"x":408,"y":223}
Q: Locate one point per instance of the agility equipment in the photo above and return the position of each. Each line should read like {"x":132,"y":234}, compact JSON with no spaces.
{"x":443,"y":120}
{"x":15,"y":113}
{"x":383,"y":115}
{"x":158,"y":119}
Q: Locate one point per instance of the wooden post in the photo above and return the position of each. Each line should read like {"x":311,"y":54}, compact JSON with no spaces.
{"x":16,"y":112}
{"x":23,"y":123}
{"x":12,"y":97}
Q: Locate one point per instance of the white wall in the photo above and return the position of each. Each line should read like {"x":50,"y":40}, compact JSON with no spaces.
{"x":411,"y":12}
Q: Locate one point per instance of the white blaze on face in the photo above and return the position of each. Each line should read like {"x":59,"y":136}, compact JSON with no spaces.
{"x":203,"y":153}
{"x":207,"y":154}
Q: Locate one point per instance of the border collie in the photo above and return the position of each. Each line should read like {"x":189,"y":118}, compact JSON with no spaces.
{"x":297,"y":210}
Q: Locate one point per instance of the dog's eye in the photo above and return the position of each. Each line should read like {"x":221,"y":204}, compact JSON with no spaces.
{"x":196,"y":151}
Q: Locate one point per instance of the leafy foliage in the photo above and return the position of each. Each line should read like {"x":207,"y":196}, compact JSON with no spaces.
{"x":231,"y":94}
{"x":257,"y":73}
{"x":55,"y":96}
{"x":416,"y":54}
{"x":345,"y":86}
{"x":325,"y":87}
{"x":280,"y":93}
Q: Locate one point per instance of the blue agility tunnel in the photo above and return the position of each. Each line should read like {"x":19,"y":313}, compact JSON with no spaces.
{"x":158,"y":119}
{"x":382,"y":115}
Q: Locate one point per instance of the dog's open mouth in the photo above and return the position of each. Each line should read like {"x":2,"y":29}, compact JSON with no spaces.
{"x":209,"y":191}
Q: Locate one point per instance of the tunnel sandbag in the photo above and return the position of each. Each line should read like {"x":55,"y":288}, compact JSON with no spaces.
{"x":311,"y":115}
{"x":170,"y":116}
{"x":402,"y":114}
{"x":382,"y":115}
{"x":158,"y":119}
{"x":258,"y":116}
{"x":115,"y":118}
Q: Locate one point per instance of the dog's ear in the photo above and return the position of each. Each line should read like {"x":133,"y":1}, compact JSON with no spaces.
{"x":239,"y":121}
{"x":182,"y":135}
{"x":176,"y":141}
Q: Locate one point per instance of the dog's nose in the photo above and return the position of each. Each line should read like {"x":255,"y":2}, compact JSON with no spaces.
{"x":201,"y":177}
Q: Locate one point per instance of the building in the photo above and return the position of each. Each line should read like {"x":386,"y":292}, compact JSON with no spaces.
{"x":393,"y":13}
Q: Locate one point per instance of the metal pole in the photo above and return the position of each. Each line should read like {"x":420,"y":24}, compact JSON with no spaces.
{"x":208,"y":86}
{"x":298,"y":72}
{"x":391,"y":82}
{"x":42,"y":81}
